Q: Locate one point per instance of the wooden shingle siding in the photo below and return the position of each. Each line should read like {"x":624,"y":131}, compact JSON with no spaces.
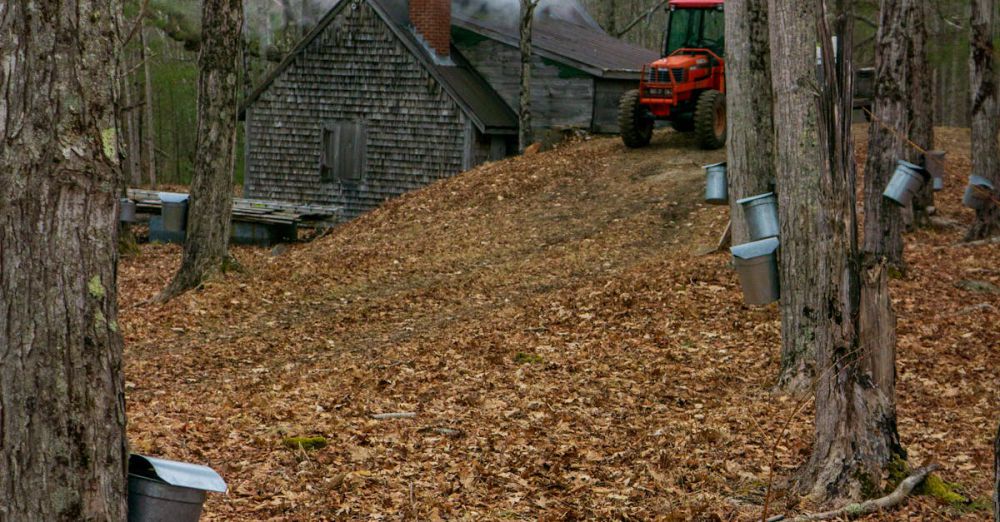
{"x":357,"y":70}
{"x":561,"y":97}
{"x":607,"y":95}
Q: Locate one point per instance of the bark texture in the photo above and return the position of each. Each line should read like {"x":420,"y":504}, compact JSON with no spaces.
{"x":148,"y":128}
{"x":900,"y":58}
{"x":750,"y":148}
{"x":893,"y":108}
{"x":524,"y":110}
{"x":856,"y":435}
{"x":996,"y":477}
{"x":985,"y":123}
{"x":206,"y":250}
{"x":62,"y":407}
{"x":922,"y":100}
{"x":798,"y":183}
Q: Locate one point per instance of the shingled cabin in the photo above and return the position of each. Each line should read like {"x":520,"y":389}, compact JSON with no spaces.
{"x":386,"y":96}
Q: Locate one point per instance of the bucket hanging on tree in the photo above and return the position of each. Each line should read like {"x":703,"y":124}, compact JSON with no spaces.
{"x":761,"y":212}
{"x":934,"y":160}
{"x":978,"y":193}
{"x":905,"y":183}
{"x":716,"y":184}
{"x":756,"y":265}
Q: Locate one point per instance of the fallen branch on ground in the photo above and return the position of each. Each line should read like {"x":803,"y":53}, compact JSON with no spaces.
{"x":871,"y":506}
{"x":391,"y":416}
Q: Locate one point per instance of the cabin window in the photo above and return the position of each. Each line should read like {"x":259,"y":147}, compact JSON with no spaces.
{"x":343,"y":148}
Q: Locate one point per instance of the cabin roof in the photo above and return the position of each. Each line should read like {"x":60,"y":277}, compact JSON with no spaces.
{"x":585,"y":47}
{"x":469,"y":90}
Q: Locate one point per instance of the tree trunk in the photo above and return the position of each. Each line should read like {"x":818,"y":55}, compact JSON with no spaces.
{"x":996,"y":477}
{"x":750,"y":148}
{"x":922,"y":102}
{"x":206,"y":249}
{"x":898,"y":96}
{"x":892,"y":107}
{"x":855,"y":423}
{"x":130,"y":121}
{"x":797,"y":169}
{"x":900,"y":69}
{"x":985,"y":123}
{"x":148,"y":132}
{"x":62,"y":409}
{"x":524,"y":114}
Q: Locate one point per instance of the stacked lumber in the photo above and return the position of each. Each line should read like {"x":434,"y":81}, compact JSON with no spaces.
{"x":249,"y":210}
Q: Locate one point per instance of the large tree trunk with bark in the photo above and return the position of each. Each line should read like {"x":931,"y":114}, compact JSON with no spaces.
{"x":797,"y":170}
{"x":985,"y":123}
{"x":996,"y":477}
{"x":855,"y":429}
{"x":525,"y":134}
{"x":206,"y":249}
{"x":922,"y":100}
{"x":148,"y":130}
{"x":893,"y":110}
{"x":897,"y":98}
{"x":750,"y":148}
{"x":62,"y":408}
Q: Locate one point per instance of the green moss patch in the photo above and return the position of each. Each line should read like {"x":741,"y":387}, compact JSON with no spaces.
{"x":95,"y":287}
{"x":934,"y":486}
{"x":528,"y":358}
{"x":946,"y":492}
{"x":305,"y":443}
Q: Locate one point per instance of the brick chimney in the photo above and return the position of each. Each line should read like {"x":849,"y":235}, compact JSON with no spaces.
{"x":432,"y":20}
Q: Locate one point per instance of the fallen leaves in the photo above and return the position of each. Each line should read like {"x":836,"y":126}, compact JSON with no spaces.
{"x":565,"y":353}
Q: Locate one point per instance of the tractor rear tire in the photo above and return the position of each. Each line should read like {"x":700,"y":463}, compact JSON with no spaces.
{"x":634,"y":122}
{"x":710,"y":120}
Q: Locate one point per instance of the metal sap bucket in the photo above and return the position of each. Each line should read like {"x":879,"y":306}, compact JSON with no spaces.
{"x":127,"y":211}
{"x":934,"y":159}
{"x":174,"y":211}
{"x":976,"y":199}
{"x":756,"y":265}
{"x":905,"y":183}
{"x":167,"y":491}
{"x":716,"y":184}
{"x":762,"y":215}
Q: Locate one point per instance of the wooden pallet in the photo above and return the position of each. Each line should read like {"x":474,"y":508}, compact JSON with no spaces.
{"x":250,"y":210}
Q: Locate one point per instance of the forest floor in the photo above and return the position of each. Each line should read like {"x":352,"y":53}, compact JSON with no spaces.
{"x":567,"y":351}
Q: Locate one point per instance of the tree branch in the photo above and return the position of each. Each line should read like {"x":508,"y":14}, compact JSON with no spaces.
{"x":871,"y":506}
{"x":646,"y":14}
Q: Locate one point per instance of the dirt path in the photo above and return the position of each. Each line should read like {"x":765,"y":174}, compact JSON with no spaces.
{"x":549,"y":312}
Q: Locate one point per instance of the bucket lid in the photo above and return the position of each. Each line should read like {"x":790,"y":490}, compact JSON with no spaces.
{"x":172,"y":197}
{"x":756,"y":249}
{"x":917,"y":169}
{"x":751,"y":199}
{"x":179,"y":474}
{"x":980,"y":181}
{"x":722,"y":164}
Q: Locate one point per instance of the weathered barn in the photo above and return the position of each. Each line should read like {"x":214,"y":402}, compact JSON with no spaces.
{"x":386,"y":96}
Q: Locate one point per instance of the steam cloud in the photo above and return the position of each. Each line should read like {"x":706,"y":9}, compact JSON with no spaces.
{"x":507,"y":11}
{"x":266,"y":19}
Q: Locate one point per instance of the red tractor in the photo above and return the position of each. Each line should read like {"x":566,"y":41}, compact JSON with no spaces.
{"x":688,"y":86}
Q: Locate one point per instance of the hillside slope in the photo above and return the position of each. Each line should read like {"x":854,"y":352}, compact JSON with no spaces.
{"x":566,"y":353}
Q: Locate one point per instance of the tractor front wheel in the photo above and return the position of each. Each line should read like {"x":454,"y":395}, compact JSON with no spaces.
{"x":710,"y":120}
{"x":635,"y":123}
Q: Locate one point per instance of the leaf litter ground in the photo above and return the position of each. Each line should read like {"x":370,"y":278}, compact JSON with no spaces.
{"x":566,"y":351}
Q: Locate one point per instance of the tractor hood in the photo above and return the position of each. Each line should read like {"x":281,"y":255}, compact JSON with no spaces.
{"x":680,"y":61}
